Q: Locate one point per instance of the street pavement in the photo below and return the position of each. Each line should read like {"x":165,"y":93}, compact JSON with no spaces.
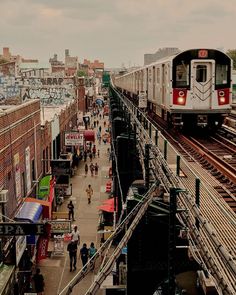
{"x":56,"y":269}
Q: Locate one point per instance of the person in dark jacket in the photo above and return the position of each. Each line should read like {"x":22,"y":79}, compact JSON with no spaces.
{"x":70,"y":207}
{"x":84,"y":252}
{"x":38,"y":282}
{"x":72,"y":249}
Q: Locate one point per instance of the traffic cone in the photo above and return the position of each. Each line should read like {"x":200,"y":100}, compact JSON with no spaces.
{"x":108,"y":187}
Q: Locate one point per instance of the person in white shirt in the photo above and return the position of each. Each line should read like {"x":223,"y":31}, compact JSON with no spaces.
{"x":75,"y":235}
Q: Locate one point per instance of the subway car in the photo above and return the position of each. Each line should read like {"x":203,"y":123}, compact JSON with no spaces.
{"x":191,"y":88}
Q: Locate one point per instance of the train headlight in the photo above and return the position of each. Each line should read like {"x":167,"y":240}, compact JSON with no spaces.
{"x":179,"y":96}
{"x":222,"y":99}
{"x":223,"y":96}
{"x":181,"y":100}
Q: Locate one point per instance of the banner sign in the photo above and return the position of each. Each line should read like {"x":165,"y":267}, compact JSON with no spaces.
{"x":61,"y":167}
{"x":60,"y":226}
{"x":22,"y":229}
{"x":20,"y":248}
{"x":74,"y":138}
{"x":42,"y":248}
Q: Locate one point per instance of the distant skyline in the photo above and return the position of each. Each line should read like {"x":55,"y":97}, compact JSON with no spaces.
{"x":115,"y":32}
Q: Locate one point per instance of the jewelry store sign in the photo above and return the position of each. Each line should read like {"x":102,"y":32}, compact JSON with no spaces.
{"x":74,"y":138}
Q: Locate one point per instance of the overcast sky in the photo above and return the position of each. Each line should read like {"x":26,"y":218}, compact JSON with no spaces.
{"x":114,"y":31}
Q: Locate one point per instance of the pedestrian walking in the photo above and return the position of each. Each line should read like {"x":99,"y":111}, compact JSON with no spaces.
{"x":75,"y":236}
{"x":91,"y":167}
{"x":92,"y":250}
{"x":105,"y":124}
{"x":70,"y":207}
{"x":97,"y":123}
{"x":86,"y":169}
{"x":100,"y":128}
{"x":98,"y":153}
{"x":84,"y":255}
{"x":90,"y":156}
{"x":38,"y":282}
{"x":85,"y":156}
{"x":100,"y":116}
{"x":89,"y":192}
{"x":90,"y":145}
{"x":72,"y":249}
{"x":96,"y":169}
{"x":94,"y":150}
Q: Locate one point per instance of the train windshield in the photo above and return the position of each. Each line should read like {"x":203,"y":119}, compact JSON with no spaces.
{"x":182,"y":75}
{"x":221,"y":74}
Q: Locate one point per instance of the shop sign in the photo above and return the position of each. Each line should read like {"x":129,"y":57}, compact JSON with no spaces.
{"x":74,"y":138}
{"x":61,"y":167}
{"x":22,"y":229}
{"x":20,"y":248}
{"x":60,"y":226}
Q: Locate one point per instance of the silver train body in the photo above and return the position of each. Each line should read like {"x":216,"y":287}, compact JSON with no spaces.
{"x":192,"y":88}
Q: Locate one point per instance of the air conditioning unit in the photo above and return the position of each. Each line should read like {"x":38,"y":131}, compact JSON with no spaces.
{"x":3,"y":196}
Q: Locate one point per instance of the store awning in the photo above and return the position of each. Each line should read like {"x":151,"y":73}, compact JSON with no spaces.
{"x":108,"y":206}
{"x":46,"y":206}
{"x":89,"y":135}
{"x":30,"y":211}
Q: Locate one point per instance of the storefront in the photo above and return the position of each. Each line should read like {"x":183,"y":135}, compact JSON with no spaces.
{"x":26,"y":246}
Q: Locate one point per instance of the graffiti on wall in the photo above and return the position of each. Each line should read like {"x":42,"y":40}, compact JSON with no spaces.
{"x":9,"y":89}
{"x":51,"y":91}
{"x":48,"y":95}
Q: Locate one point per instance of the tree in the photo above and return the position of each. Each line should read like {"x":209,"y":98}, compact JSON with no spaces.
{"x":3,"y":61}
{"x":81,"y":73}
{"x":232,"y":54}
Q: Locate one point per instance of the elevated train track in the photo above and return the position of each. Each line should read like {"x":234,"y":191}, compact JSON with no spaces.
{"x":215,"y":239}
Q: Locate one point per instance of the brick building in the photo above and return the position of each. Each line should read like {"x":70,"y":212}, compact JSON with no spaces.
{"x":20,"y":152}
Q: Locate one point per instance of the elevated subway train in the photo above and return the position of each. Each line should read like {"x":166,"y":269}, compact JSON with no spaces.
{"x":192,"y":88}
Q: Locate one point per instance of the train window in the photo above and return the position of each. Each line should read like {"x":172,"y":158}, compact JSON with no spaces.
{"x":221,"y":74}
{"x":182,"y":75}
{"x":201,"y":73}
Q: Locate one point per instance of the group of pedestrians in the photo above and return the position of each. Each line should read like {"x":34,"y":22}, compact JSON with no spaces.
{"x":92,"y":167}
{"x":84,"y":253}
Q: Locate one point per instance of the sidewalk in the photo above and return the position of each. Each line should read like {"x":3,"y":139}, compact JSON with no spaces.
{"x":56,"y":269}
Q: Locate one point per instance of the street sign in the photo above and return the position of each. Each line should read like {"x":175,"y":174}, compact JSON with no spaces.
{"x":60,"y":226}
{"x":22,"y":229}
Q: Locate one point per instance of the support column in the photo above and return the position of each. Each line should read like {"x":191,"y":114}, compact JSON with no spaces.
{"x":146,"y":163}
{"x":165,"y":149}
{"x":197,"y":198}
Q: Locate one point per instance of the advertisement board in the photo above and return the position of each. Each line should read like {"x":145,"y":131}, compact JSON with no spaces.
{"x":61,"y":167}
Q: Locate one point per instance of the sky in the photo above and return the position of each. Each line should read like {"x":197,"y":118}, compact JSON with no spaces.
{"x":117,"y":32}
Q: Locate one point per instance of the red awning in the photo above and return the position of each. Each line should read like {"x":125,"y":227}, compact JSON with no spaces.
{"x":89,"y":135}
{"x":108,"y":206}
